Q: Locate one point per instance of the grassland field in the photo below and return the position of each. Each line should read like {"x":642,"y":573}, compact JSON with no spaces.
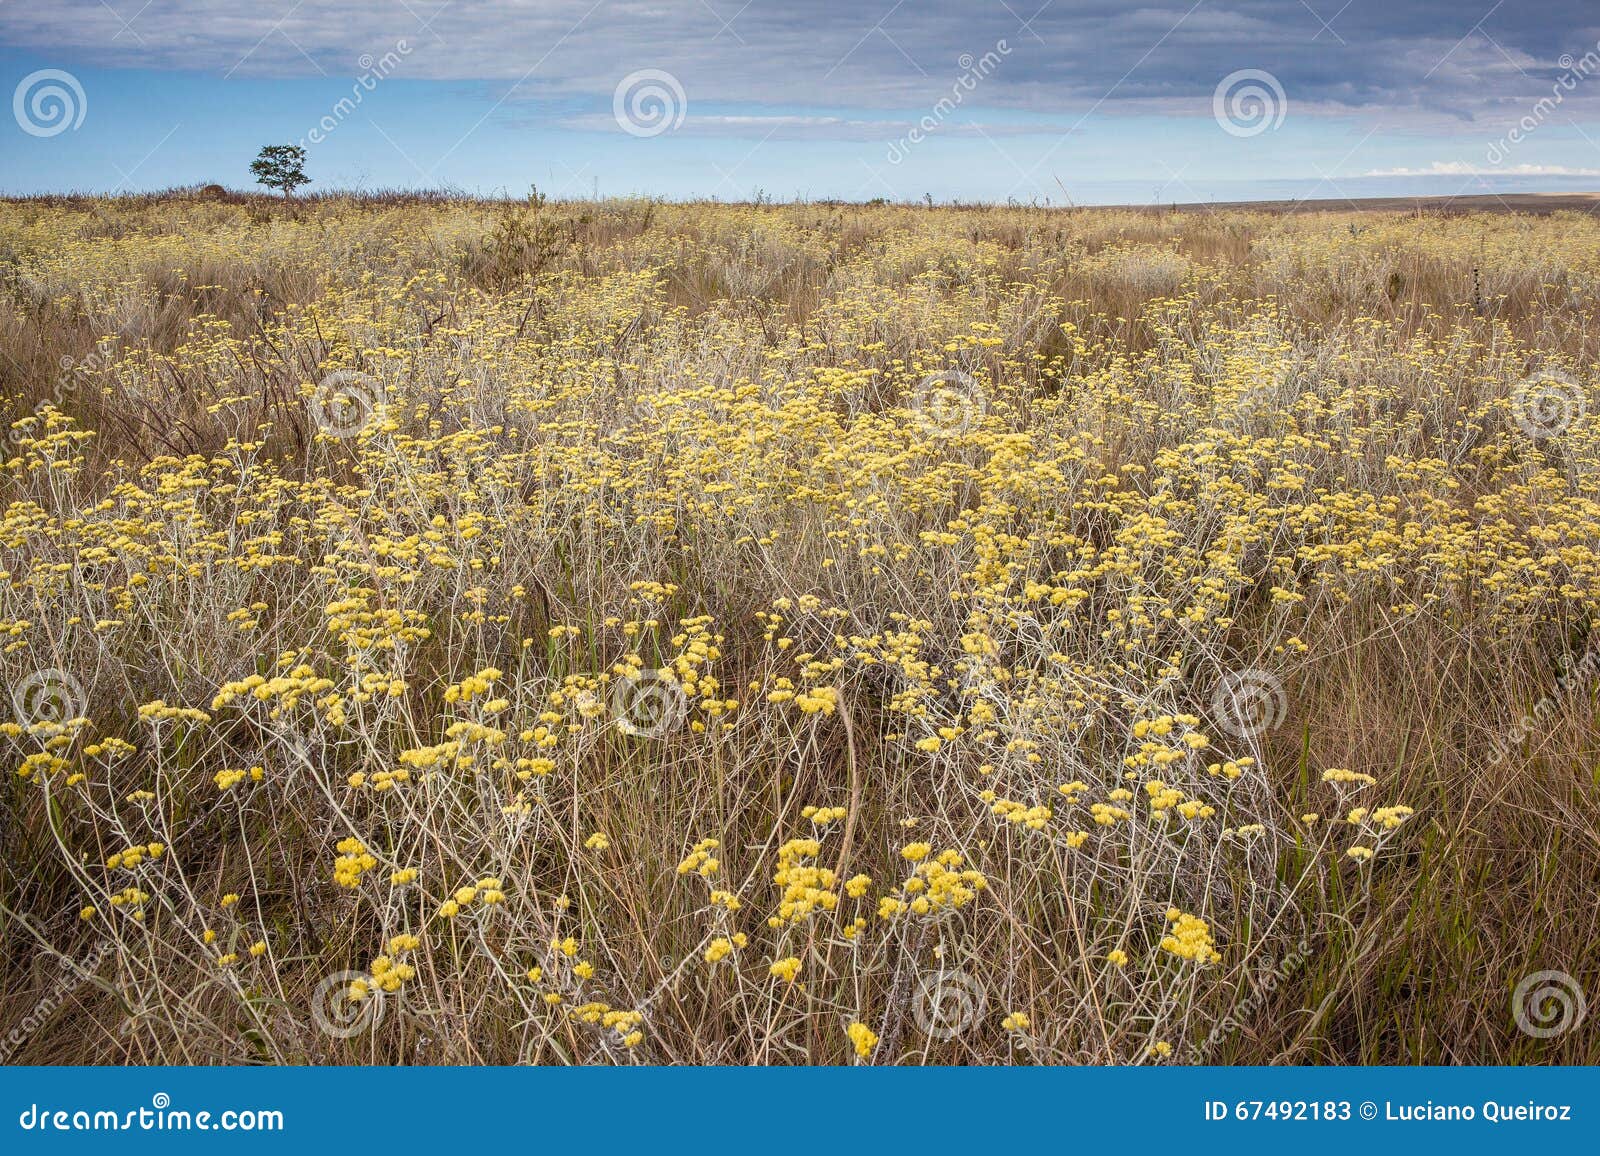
{"x":447,"y":631}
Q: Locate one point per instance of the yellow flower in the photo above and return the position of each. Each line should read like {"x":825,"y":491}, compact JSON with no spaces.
{"x":862,"y":1038}
{"x":786,"y":969}
{"x":1189,"y":938}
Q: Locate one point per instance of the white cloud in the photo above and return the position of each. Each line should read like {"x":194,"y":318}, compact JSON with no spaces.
{"x":1420,"y":60}
{"x":1463,"y":169}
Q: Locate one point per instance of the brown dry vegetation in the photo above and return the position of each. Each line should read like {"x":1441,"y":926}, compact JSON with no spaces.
{"x":600,"y":438}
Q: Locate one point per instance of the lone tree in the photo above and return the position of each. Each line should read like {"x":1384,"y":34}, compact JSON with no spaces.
{"x":281,"y":167}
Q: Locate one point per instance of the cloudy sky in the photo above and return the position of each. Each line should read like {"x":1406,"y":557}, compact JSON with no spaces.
{"x":958,"y":99}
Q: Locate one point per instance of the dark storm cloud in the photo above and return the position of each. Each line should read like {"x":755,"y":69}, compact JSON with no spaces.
{"x":1426,"y":61}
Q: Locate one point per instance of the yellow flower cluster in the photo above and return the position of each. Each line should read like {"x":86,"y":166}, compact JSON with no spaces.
{"x":723,"y":946}
{"x":822,"y":816}
{"x":133,"y":856}
{"x":625,"y":1025}
{"x":807,"y":888}
{"x":786,"y":969}
{"x":862,"y":1038}
{"x":1034,"y":818}
{"x":1190,"y":938}
{"x":486,"y":892}
{"x":227,"y":779}
{"x":159,"y":711}
{"x":390,"y":970}
{"x":700,"y":859}
{"x":354,"y":860}
{"x":939,"y":885}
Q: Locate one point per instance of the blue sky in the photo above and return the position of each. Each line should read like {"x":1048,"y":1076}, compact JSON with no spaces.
{"x":985,"y":100}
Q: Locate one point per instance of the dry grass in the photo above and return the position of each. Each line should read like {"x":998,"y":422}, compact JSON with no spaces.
{"x":952,"y":522}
